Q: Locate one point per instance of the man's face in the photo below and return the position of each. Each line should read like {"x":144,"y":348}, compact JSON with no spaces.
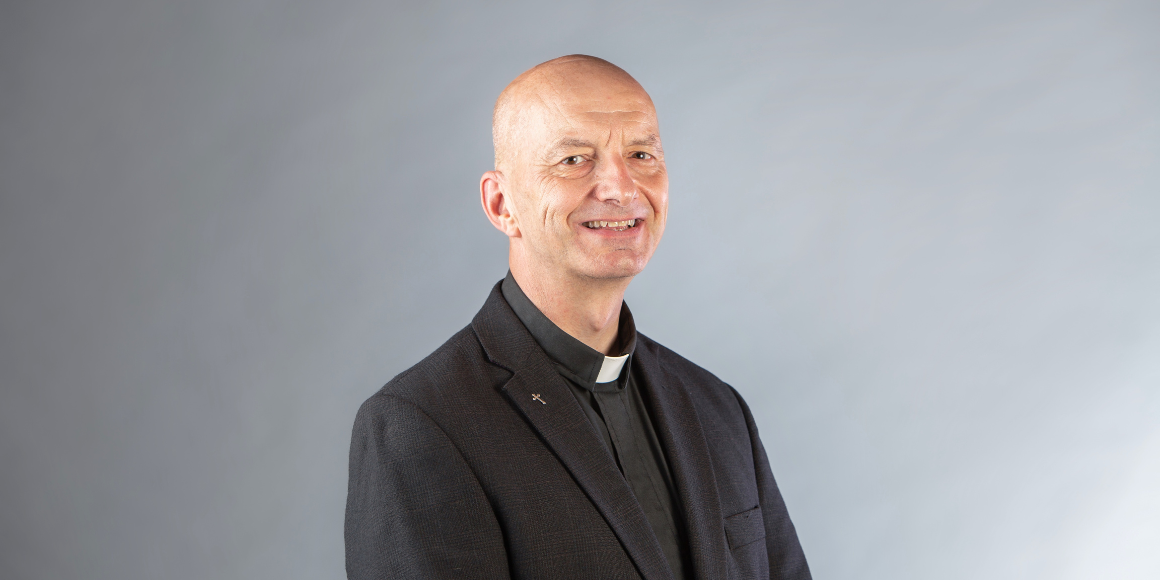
{"x":589,"y":180}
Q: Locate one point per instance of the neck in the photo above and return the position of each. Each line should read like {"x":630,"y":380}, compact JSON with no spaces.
{"x":587,"y":309}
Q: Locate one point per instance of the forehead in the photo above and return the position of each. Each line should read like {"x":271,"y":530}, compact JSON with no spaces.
{"x":592,"y":110}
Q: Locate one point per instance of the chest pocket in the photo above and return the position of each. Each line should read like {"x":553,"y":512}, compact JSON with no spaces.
{"x":744,"y":528}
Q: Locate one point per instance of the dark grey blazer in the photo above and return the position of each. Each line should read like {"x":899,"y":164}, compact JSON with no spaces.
{"x":457,"y":472}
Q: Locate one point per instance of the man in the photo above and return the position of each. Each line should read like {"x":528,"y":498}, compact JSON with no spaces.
{"x":548,"y":439}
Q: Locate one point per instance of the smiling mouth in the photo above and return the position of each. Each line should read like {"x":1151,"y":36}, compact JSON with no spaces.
{"x":614,"y":226}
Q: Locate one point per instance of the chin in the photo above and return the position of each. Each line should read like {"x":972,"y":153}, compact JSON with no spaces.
{"x":614,"y":269}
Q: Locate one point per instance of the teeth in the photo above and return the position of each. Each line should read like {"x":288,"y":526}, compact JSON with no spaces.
{"x":615,"y":225}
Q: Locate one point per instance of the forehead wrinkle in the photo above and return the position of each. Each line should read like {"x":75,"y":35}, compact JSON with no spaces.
{"x":615,"y":112}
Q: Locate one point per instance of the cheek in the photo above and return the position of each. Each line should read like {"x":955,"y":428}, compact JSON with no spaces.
{"x":661,"y":203}
{"x":560,"y":198}
{"x":658,"y":198}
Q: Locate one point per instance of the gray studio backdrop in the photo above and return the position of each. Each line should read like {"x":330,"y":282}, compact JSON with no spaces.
{"x":922,"y":239}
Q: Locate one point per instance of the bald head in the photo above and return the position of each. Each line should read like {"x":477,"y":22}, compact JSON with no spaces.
{"x":579,"y":186}
{"x":546,"y":89}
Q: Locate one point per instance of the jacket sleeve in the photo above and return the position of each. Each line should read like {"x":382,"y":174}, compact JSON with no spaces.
{"x":414,"y":508}
{"x":786,"y":559}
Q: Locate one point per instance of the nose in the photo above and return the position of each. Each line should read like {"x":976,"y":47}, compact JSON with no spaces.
{"x":614,"y":183}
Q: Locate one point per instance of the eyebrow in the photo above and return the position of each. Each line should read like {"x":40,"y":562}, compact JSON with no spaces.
{"x":651,"y":140}
{"x":572,"y":143}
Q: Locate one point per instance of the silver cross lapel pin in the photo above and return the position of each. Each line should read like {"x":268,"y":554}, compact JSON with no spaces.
{"x":536,"y":397}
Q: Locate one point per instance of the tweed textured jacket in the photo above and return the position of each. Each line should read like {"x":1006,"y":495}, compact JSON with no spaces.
{"x":479,"y":463}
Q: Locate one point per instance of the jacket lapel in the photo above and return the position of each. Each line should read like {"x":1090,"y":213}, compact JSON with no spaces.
{"x":541,"y":395}
{"x":679,"y":429}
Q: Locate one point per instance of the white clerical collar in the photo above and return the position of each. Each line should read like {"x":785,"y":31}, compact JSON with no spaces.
{"x":610,"y":368}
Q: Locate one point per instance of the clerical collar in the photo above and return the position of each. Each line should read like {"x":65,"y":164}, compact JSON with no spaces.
{"x":586,"y":365}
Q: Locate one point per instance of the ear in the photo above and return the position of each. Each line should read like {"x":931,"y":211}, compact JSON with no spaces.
{"x":497,"y":204}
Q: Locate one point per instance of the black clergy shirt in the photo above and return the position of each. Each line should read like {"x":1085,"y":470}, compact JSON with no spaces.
{"x":618,"y":414}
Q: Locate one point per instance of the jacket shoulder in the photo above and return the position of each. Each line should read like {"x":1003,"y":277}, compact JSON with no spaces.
{"x":673,"y":362}
{"x":458,"y":368}
{"x":705,"y":387}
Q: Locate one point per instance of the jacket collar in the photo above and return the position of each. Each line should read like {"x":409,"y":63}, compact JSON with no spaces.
{"x":680,"y":432}
{"x":575,"y":359}
{"x":541,"y":395}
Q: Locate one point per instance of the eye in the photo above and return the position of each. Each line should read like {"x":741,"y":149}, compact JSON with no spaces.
{"x":573,"y":160}
{"x":640,"y":155}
